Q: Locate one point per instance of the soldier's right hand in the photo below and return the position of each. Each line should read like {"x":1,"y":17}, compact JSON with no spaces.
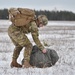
{"x":44,"y":50}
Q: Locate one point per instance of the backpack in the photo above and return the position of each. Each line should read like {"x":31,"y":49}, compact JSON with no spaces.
{"x":41,"y":60}
{"x":21,"y":16}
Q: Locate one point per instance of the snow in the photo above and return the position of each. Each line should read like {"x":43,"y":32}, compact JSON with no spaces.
{"x":5,"y":23}
{"x":62,"y":23}
{"x":61,"y":40}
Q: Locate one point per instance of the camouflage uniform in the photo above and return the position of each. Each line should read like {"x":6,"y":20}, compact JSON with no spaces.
{"x":20,"y":40}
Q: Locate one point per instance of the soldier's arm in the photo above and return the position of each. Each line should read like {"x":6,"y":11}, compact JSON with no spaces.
{"x":34,"y":32}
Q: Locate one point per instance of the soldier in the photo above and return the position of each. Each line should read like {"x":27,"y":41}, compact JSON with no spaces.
{"x":20,"y":40}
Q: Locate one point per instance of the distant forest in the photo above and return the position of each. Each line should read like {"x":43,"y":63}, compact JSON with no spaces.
{"x":52,"y":15}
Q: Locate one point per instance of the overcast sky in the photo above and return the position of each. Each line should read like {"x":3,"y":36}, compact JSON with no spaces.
{"x":68,"y":5}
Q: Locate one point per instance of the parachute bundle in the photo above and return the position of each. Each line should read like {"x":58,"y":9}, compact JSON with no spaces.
{"x":42,"y":60}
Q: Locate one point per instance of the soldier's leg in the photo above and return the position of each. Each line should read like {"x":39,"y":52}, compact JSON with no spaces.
{"x":16,"y":53}
{"x":15,"y":56}
{"x":27,"y":52}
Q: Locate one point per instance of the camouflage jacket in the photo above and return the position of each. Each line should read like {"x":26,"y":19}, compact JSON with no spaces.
{"x":30,"y":28}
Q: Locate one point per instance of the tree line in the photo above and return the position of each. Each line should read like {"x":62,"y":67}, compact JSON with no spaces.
{"x":52,"y":15}
{"x":4,"y":14}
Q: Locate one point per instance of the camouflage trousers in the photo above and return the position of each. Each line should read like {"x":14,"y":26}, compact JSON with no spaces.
{"x":20,"y":40}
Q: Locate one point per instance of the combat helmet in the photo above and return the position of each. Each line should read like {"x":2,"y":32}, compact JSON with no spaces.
{"x":43,"y":19}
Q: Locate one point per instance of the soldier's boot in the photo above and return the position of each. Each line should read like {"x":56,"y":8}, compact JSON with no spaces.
{"x":26,"y":64}
{"x":15,"y":64}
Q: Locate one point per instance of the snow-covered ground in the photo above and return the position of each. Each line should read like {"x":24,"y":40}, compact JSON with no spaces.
{"x":60,"y":39}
